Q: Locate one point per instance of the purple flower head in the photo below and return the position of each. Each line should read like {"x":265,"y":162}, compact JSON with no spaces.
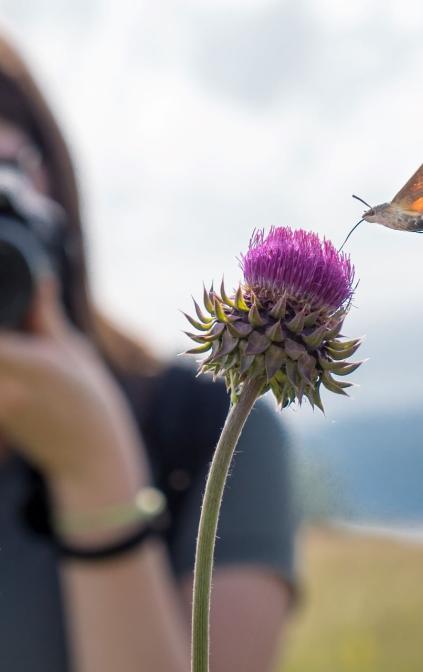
{"x":283,"y":324}
{"x":299,"y":264}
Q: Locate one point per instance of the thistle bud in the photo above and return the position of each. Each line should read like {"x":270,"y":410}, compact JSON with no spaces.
{"x":283,"y":323}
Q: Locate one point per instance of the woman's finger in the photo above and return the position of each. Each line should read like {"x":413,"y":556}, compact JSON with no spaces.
{"x":21,"y":352}
{"x":26,"y":352}
{"x":46,"y":315}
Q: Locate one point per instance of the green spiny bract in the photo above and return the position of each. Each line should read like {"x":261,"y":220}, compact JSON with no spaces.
{"x":294,"y":348}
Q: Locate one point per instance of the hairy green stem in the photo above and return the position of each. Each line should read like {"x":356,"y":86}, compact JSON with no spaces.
{"x":208,"y":522}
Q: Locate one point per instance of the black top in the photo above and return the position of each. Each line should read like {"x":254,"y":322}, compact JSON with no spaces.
{"x":180,"y":418}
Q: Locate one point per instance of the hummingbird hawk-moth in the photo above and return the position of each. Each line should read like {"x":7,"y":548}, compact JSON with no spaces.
{"x":404,"y":212}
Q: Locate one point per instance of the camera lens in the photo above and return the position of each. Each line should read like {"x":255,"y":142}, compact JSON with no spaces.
{"x":22,"y":260}
{"x":16,"y":285}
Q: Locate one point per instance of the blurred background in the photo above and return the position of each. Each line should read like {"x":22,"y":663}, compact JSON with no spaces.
{"x":194,"y":122}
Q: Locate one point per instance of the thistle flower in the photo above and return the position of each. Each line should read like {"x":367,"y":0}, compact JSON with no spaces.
{"x":280,"y":330}
{"x":283,"y":324}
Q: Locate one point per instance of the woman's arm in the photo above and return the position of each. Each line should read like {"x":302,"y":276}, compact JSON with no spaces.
{"x":125,"y":615}
{"x":61,"y":409}
{"x":249,"y":613}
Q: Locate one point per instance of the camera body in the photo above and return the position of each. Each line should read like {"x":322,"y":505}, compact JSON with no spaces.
{"x":33,"y":243}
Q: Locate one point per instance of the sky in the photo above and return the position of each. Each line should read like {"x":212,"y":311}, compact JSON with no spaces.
{"x":194,"y":122}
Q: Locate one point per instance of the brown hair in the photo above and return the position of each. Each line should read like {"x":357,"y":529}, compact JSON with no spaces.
{"x":22,"y":102}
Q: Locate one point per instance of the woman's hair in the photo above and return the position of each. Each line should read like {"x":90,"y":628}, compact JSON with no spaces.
{"x":23,"y":104}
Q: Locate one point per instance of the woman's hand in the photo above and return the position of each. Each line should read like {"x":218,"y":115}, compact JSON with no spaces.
{"x":60,"y":408}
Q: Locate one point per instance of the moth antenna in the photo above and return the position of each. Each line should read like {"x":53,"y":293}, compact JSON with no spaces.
{"x":353,"y":229}
{"x":360,"y":199}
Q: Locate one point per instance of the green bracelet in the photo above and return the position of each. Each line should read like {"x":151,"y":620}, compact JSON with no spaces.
{"x":147,"y":504}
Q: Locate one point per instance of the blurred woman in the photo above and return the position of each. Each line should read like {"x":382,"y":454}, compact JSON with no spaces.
{"x":88,"y":419}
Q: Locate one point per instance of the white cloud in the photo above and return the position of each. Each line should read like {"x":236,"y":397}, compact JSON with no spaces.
{"x":178,"y":167}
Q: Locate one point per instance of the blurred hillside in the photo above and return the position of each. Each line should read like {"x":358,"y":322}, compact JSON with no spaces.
{"x":364,"y":469}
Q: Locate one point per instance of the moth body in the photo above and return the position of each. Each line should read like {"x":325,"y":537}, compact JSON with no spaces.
{"x":395,"y":217}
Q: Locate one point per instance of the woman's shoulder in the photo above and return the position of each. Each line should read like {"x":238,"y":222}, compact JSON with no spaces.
{"x":178,"y":409}
{"x":197,"y":405}
{"x":179,"y":416}
{"x":184,"y":379}
{"x":176,"y":388}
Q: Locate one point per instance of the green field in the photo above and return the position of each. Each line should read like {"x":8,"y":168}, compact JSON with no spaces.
{"x":362,"y":609}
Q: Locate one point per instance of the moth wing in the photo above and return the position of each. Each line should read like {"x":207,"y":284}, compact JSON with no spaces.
{"x":410,"y":197}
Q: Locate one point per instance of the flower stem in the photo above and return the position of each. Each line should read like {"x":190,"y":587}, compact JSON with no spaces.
{"x":212,"y":500}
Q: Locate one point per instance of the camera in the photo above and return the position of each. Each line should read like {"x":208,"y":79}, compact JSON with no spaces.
{"x":33,"y":242}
